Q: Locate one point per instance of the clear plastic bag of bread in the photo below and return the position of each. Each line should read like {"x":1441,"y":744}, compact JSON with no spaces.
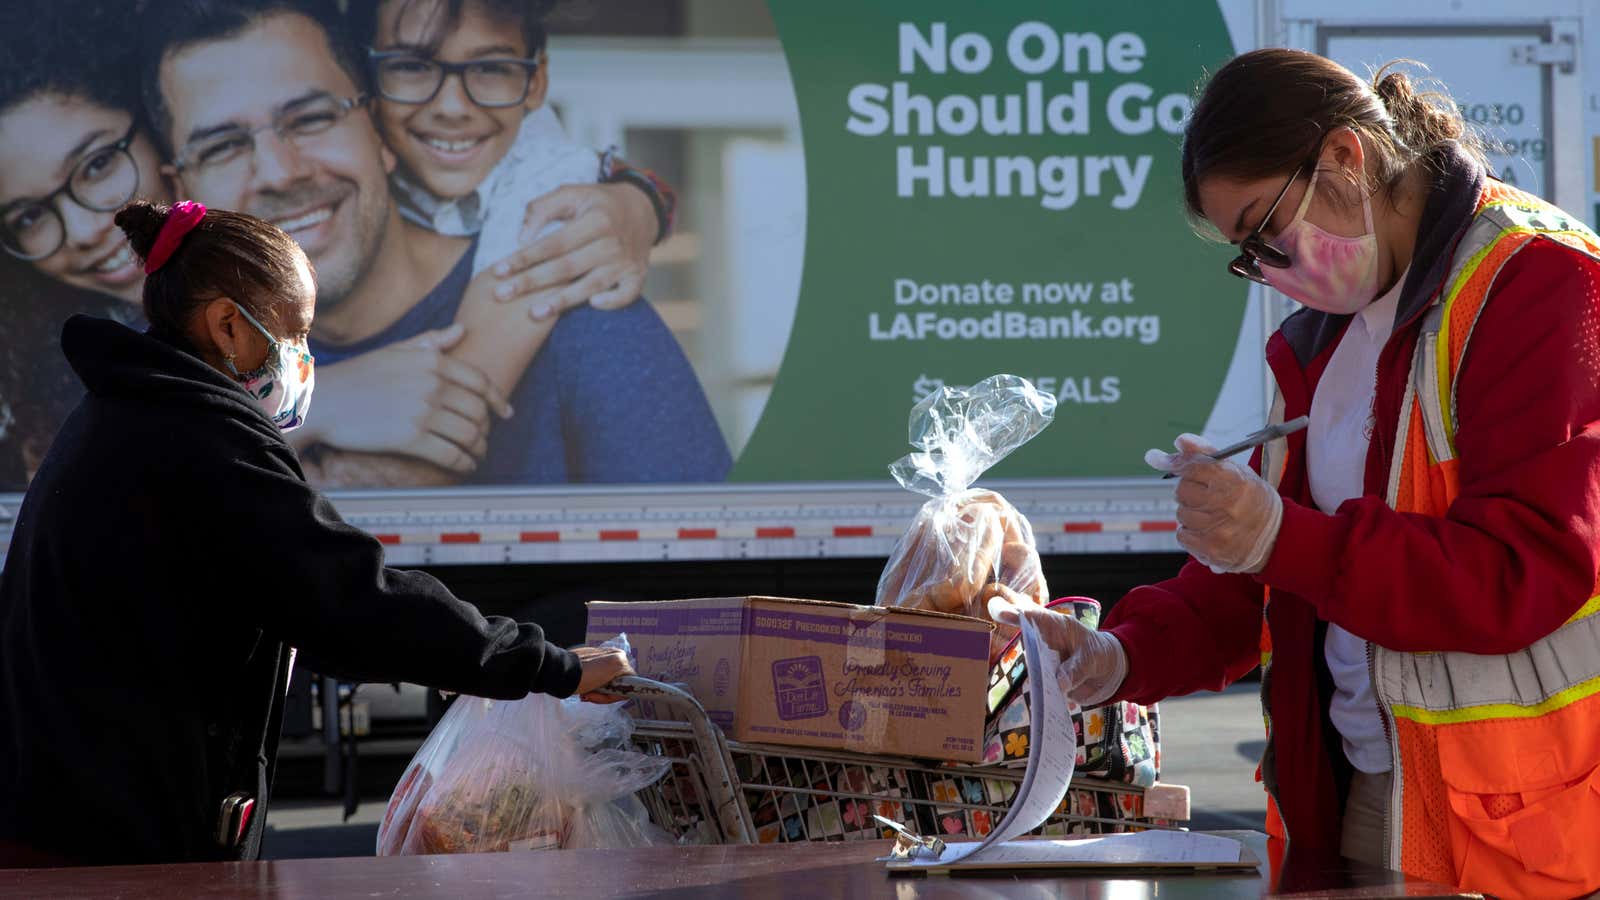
{"x":531,"y":774}
{"x":966,"y":544}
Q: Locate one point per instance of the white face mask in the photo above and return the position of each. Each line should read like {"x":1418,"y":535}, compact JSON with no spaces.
{"x":282,"y":386}
{"x":1327,"y":272}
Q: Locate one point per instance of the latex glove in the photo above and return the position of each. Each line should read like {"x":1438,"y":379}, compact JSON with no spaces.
{"x":1228,"y":516}
{"x":1093,"y":663}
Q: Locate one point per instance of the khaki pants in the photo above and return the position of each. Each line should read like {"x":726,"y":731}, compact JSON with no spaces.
{"x":1364,"y":812}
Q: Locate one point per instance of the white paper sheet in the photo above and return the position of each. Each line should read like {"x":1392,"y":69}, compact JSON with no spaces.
{"x":1152,"y":847}
{"x":1052,"y":752}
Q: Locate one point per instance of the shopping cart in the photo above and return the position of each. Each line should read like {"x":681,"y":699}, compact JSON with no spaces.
{"x":719,"y":791}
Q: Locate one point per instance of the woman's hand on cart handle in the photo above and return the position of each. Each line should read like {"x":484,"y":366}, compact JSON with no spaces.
{"x":1093,"y":663}
{"x":601,"y":666}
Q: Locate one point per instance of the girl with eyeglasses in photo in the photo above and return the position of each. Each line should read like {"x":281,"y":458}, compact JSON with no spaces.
{"x":73,"y":150}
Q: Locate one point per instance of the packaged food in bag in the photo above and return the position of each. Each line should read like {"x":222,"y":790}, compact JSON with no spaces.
{"x":965,"y":541}
{"x":531,"y":774}
{"x":489,"y":803}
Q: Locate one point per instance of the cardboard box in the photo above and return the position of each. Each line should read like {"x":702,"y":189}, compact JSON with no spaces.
{"x":816,"y":674}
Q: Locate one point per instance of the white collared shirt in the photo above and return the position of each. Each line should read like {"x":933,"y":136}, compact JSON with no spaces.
{"x":1337,"y":441}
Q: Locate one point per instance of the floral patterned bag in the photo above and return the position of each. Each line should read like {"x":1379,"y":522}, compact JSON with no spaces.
{"x":1117,"y":741}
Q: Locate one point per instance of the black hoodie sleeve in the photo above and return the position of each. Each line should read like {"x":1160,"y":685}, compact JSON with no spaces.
{"x":319,"y":584}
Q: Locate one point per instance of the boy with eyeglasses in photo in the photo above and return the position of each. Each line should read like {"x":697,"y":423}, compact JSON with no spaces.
{"x":459,"y":91}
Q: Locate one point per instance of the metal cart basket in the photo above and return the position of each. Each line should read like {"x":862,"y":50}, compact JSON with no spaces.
{"x":729,"y":792}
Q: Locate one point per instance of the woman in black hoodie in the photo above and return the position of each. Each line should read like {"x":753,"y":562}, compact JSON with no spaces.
{"x":169,"y":555}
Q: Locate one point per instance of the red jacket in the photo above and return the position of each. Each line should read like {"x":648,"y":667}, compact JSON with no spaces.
{"x":1515,"y":557}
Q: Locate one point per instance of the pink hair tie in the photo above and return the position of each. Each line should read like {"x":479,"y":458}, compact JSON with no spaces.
{"x":181,"y":220}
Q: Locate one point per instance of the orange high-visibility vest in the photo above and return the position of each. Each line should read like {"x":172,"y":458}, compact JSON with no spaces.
{"x":1496,"y":758}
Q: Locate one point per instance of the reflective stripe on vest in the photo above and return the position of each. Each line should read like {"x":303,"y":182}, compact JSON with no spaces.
{"x":1496,"y":758}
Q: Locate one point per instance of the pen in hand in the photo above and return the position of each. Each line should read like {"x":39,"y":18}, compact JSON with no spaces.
{"x":1270,"y":433}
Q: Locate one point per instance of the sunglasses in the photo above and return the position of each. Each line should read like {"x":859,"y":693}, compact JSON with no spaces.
{"x":1255,"y":251}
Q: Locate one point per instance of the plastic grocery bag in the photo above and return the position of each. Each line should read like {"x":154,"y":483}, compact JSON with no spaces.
{"x":965,"y":541}
{"x":530,"y":774}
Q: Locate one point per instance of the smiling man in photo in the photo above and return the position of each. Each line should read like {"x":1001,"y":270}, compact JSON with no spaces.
{"x":264,"y":107}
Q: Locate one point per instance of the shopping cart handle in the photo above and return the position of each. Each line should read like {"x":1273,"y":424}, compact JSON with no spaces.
{"x":679,"y":704}
{"x":712,"y":760}
{"x":639,"y":686}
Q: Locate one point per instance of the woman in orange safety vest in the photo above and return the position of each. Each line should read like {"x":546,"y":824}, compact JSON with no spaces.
{"x":1416,"y":571}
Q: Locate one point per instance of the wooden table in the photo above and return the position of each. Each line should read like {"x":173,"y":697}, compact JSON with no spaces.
{"x":770,"y":871}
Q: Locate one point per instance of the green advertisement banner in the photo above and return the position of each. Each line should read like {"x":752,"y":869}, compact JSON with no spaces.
{"x":995,"y":188}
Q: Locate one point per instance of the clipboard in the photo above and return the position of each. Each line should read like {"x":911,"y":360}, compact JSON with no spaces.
{"x":1166,"y":851}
